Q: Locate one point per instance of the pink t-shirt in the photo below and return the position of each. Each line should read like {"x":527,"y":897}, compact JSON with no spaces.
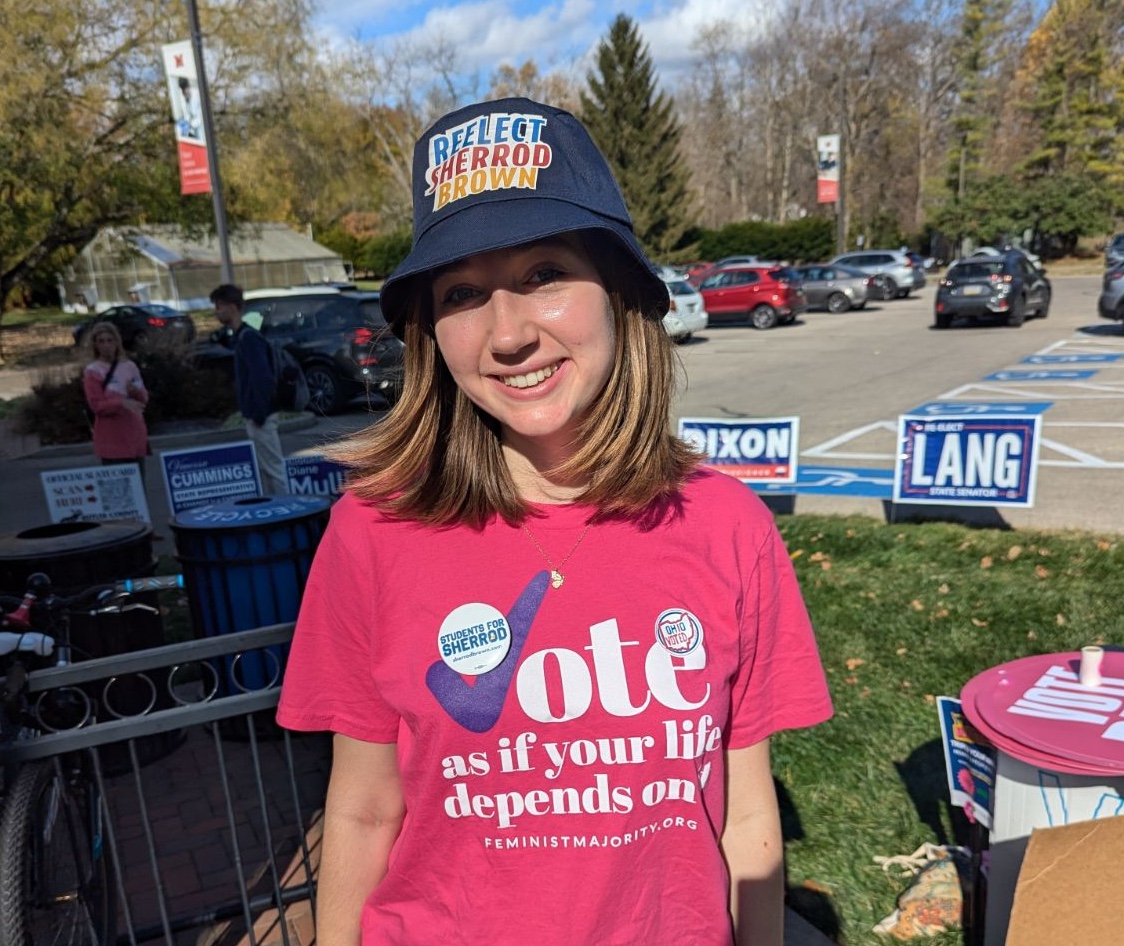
{"x":573,"y":794}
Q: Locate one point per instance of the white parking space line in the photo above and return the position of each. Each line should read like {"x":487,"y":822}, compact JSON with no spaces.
{"x":1039,"y":391}
{"x":1083,"y":344}
{"x":1061,"y":390}
{"x":827,"y":448}
{"x":1079,"y":457}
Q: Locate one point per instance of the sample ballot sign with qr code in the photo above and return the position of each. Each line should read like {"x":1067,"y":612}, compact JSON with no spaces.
{"x":95,"y":493}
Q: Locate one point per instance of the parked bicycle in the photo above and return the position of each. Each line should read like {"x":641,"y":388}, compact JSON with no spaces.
{"x":56,"y":876}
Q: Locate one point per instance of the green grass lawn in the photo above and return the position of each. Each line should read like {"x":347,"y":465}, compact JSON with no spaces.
{"x":905,"y":613}
{"x":17,"y":319}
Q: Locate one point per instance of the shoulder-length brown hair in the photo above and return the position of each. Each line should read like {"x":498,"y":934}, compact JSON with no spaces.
{"x":436,"y":457}
{"x":104,"y":328}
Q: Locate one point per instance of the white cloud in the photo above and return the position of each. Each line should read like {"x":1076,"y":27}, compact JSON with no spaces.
{"x":671,"y":30}
{"x":488,"y":33}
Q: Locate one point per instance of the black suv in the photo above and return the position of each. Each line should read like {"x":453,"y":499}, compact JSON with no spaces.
{"x":339,"y":337}
{"x":1008,"y":287}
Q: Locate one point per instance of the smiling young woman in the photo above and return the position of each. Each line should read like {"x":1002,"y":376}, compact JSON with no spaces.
{"x":538,"y":736}
{"x":439,"y":457}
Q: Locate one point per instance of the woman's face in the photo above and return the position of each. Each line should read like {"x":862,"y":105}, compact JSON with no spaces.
{"x":105,"y":345}
{"x":527,"y":333}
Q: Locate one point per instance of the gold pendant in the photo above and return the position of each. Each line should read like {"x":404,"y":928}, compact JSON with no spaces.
{"x":555,"y":579}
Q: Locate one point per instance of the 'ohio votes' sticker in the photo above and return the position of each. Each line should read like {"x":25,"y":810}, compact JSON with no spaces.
{"x":474,"y":638}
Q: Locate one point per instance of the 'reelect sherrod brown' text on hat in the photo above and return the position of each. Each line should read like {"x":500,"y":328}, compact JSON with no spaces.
{"x":507,"y":172}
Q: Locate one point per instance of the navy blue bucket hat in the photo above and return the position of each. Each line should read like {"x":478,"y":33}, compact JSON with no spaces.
{"x":499,"y":174}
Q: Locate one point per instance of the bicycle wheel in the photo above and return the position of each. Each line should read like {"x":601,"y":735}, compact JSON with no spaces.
{"x":55,"y":883}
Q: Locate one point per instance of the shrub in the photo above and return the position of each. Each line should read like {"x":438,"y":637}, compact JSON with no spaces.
{"x":383,"y":253}
{"x":54,"y":410}
{"x":178,"y":389}
{"x":810,"y":238}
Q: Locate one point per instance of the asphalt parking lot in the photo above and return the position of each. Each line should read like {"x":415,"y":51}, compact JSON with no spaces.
{"x":848,"y":377}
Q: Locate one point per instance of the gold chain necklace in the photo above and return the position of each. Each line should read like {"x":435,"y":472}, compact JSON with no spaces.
{"x":556,"y":577}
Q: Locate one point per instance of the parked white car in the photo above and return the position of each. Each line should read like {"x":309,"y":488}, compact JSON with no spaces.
{"x":687,"y":314}
{"x":1035,"y":259}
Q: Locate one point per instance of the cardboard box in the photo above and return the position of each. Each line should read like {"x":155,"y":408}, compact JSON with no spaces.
{"x":1028,"y":798}
{"x":1069,"y":888}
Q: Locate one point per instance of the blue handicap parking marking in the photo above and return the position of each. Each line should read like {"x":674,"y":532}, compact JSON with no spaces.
{"x":940,"y":408}
{"x":850,"y":481}
{"x":1061,"y":375}
{"x":1088,"y":359}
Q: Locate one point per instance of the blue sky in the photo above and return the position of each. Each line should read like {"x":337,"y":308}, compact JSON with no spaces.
{"x":553,"y":33}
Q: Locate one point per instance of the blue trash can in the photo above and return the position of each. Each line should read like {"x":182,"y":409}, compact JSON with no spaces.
{"x":245,"y":564}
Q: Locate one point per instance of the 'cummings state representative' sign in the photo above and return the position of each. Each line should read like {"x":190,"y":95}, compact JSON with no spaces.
{"x":206,"y":475}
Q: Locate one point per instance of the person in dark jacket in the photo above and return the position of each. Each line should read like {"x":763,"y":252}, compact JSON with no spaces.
{"x":254,"y":384}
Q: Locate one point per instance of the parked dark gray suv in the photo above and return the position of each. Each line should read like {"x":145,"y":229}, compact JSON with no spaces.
{"x":338,"y":336}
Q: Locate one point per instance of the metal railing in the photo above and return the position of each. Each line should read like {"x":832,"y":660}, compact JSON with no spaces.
{"x":206,"y":804}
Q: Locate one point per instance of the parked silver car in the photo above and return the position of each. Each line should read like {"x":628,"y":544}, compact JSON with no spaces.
{"x":1111,"y":302}
{"x":1114,"y":251}
{"x":894,"y":274}
{"x":834,"y":287}
{"x":1034,"y":259}
{"x":687,"y":314}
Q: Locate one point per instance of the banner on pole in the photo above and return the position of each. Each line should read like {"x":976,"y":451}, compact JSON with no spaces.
{"x":827,"y":169}
{"x":187,"y":115}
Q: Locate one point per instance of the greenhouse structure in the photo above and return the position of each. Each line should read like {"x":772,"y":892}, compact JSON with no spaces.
{"x":168,"y":265}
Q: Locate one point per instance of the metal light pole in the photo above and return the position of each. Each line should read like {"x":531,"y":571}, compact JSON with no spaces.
{"x":840,"y":204}
{"x":226,"y":269}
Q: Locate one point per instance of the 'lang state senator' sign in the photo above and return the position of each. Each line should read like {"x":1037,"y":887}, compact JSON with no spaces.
{"x":972,"y":460}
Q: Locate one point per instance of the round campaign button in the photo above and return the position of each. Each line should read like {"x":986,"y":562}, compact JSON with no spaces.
{"x":474,"y":638}
{"x":678,"y":631}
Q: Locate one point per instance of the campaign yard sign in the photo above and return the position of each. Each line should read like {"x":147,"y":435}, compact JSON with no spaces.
{"x":204,"y":475}
{"x":760,"y":450}
{"x":95,"y":493}
{"x":972,"y":460}
{"x":314,"y":475}
{"x":969,"y":762}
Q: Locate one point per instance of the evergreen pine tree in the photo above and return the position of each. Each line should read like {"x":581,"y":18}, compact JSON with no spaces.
{"x":981,"y":28}
{"x":636,"y":129}
{"x":1077,"y":104}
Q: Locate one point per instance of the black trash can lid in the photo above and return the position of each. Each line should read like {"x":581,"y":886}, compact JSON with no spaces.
{"x":251,"y":512}
{"x":64,"y":538}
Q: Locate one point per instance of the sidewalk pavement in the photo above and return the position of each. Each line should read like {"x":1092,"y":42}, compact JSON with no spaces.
{"x":15,"y":382}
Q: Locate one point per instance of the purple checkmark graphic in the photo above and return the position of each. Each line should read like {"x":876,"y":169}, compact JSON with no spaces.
{"x":477,"y":707}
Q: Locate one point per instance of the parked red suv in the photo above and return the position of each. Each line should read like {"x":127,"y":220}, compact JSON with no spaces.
{"x":766,"y":294}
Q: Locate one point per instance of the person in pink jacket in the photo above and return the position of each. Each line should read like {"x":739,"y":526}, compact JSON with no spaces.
{"x":117,"y":397}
